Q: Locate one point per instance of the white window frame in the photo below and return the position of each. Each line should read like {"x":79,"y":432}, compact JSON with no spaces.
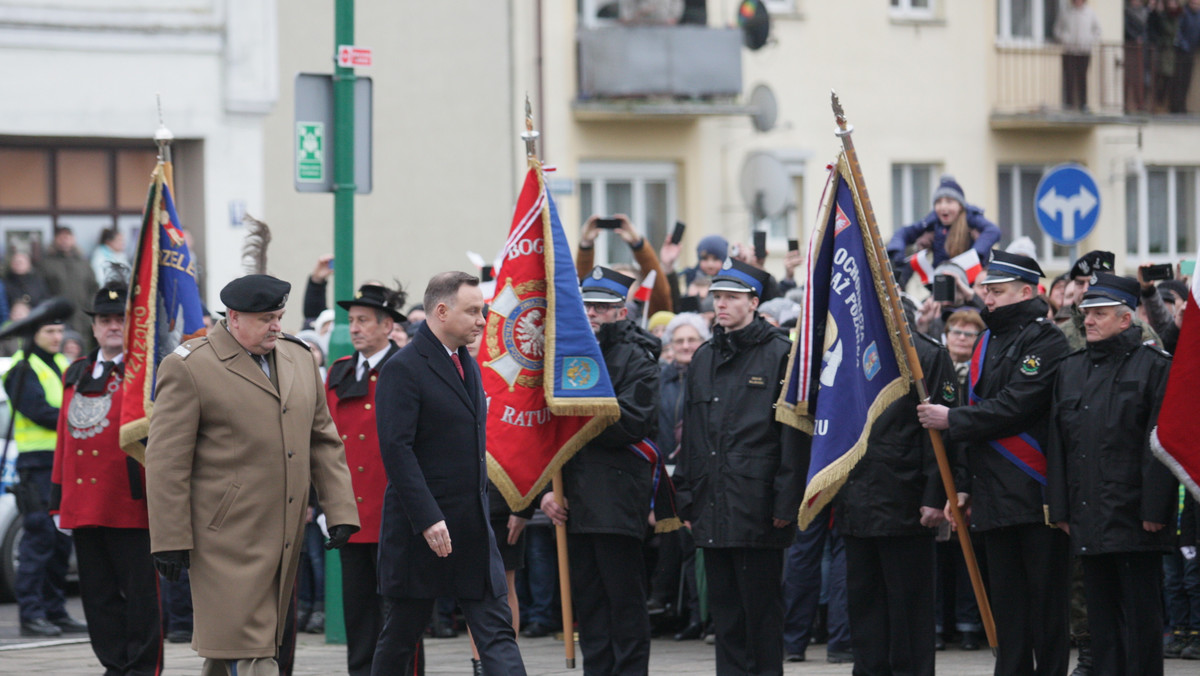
{"x":910,"y":212}
{"x":1045,"y":244}
{"x":600,"y":173}
{"x":1143,"y":255}
{"x":1004,"y":27}
{"x":904,"y":9}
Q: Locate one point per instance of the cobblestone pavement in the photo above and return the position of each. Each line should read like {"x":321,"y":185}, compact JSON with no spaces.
{"x":73,"y":656}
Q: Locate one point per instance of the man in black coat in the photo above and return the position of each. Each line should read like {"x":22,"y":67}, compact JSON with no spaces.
{"x":608,"y":492}
{"x":1003,"y":433}
{"x":435,"y":540}
{"x":741,"y":474}
{"x":1105,"y":487}
{"x":886,"y":512}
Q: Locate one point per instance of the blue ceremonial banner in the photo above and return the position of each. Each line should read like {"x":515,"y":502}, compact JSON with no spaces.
{"x":845,"y":366}
{"x":163,"y":309}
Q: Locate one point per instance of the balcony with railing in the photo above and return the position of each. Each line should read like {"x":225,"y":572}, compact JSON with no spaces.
{"x":1123,"y":86}
{"x":653,"y":72}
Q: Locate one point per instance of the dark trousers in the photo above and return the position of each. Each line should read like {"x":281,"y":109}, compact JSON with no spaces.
{"x":119,"y":589}
{"x":1074,"y":80}
{"x":1181,"y":585}
{"x":176,"y":603}
{"x":361,"y":605}
{"x":889,"y":592}
{"x":537,"y":582}
{"x":44,"y":552}
{"x":1124,"y":596}
{"x":746,"y":604}
{"x":955,"y":607}
{"x":1029,"y":567}
{"x":489,"y":619}
{"x":608,"y":582}
{"x":310,"y":581}
{"x":805,"y":566}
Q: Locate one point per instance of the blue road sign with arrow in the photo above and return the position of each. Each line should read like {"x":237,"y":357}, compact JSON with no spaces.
{"x":1067,"y":203}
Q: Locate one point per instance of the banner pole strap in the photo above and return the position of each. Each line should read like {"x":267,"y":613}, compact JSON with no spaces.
{"x":914,"y":364}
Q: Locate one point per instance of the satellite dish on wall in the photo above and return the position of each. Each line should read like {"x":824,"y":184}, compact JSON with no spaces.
{"x":755,"y":23}
{"x":765,"y":185}
{"x":764,"y":109}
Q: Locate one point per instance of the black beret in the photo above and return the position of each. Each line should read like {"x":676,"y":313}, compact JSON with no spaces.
{"x":255,"y":293}
{"x":1092,"y":262}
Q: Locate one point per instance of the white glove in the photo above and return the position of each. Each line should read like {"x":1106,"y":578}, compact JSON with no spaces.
{"x":67,"y":531}
{"x":322,"y":526}
{"x":1189,"y":553}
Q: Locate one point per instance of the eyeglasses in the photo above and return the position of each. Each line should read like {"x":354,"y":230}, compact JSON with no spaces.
{"x":601,"y":308}
{"x":963,"y":334}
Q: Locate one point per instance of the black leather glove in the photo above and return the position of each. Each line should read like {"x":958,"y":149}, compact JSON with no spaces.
{"x":339,"y":535}
{"x":172,"y":563}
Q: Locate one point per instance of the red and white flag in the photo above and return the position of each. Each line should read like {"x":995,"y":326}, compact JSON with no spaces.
{"x":922,"y":263}
{"x":1176,"y":438}
{"x":970,"y":263}
{"x":643,"y":292}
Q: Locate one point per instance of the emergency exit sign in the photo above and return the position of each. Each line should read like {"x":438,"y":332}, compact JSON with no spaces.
{"x":310,"y":151}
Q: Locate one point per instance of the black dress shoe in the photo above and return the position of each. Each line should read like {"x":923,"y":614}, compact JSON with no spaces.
{"x":970,"y":640}
{"x":839,"y":656}
{"x":69,"y":625}
{"x":179,"y":636}
{"x":40,"y":627}
{"x":690,"y":632}
{"x":535,"y":630}
{"x":795,"y":657}
{"x":445,"y":632}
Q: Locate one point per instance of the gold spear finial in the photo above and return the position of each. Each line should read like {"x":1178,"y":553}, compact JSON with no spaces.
{"x":529,"y":135}
{"x":839,"y":115}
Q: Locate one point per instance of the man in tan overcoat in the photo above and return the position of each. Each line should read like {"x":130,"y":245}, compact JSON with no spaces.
{"x":239,"y":432}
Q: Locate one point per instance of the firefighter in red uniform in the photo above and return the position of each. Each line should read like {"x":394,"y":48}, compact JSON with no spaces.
{"x":350,"y":391}
{"x":100,"y":492}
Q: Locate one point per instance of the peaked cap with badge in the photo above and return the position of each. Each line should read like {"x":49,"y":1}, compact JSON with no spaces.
{"x":1092,"y":262}
{"x":605,"y":285}
{"x":1011,"y":267}
{"x":1108,"y":289}
{"x":740,"y":277}
{"x":109,"y":300}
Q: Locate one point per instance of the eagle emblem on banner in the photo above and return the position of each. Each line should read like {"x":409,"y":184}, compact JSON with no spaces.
{"x":516,"y":331}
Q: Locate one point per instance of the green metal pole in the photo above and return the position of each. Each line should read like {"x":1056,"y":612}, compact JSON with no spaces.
{"x":343,"y":254}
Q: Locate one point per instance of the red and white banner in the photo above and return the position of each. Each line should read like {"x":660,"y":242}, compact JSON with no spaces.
{"x":1176,"y":439}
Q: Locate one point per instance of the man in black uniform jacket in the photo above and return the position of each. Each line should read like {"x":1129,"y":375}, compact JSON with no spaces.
{"x":741,"y":473}
{"x":1003,"y":433}
{"x":608,"y":489}
{"x":886,"y":512}
{"x":1106,"y":488}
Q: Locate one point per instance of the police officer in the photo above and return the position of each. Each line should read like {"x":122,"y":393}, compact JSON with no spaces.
{"x":1105,"y":486}
{"x":100,"y":493}
{"x":34,"y":385}
{"x":608,"y":490}
{"x":741,"y":473}
{"x":350,"y":392}
{"x":886,"y":511}
{"x":1003,"y":432}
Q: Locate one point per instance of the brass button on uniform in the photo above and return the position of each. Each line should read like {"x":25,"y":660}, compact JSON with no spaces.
{"x":95,"y":452}
{"x":374,"y":378}
{"x":93,"y":479}
{"x":360,"y":468}
{"x":79,"y":481}
{"x":79,"y":452}
{"x":345,"y":437}
{"x":360,"y":498}
{"x":362,"y":437}
{"x":368,"y":407}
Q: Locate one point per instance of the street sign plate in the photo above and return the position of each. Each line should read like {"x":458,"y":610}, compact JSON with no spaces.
{"x":310,"y":152}
{"x":313,"y":115}
{"x":1067,"y":203}
{"x":350,"y":56}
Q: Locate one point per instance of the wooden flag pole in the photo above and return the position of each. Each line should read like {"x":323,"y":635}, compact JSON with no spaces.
{"x":564,"y":580}
{"x":564,"y":569}
{"x":914,"y":365}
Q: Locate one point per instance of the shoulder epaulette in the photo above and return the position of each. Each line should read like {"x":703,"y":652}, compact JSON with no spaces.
{"x":294,"y":339}
{"x":341,"y":366}
{"x":1157,"y":350}
{"x":185,"y":349}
